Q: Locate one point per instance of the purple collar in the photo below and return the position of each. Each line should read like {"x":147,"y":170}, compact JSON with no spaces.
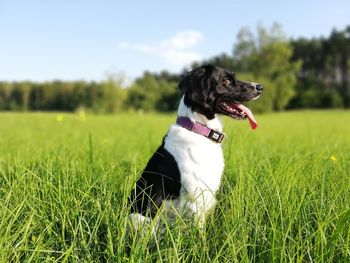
{"x":200,"y":129}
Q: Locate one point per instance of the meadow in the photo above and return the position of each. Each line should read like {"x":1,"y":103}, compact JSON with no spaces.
{"x":65,"y":180}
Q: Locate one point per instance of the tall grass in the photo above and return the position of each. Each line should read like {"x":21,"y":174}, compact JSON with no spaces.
{"x":65,"y":180}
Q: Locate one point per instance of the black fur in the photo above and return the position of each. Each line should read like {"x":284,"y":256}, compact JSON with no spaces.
{"x":160,"y":180}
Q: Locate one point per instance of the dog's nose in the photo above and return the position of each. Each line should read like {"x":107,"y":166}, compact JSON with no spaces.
{"x":259,"y":88}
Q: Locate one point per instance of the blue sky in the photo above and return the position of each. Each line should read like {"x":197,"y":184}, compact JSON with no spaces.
{"x":45,"y":40}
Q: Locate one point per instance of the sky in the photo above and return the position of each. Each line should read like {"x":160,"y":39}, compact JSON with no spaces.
{"x":89,"y":40}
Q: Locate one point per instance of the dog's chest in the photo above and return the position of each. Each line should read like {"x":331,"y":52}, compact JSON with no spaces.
{"x":200,"y":161}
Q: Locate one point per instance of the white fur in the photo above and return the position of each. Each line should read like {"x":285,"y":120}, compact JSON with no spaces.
{"x":200,"y":162}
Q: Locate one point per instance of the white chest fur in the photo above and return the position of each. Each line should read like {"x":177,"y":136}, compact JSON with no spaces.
{"x":200,"y":162}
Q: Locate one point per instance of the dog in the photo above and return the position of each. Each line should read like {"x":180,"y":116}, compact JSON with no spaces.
{"x":186,"y":170}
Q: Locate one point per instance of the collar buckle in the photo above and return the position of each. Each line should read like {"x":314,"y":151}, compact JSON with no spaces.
{"x":216,"y":136}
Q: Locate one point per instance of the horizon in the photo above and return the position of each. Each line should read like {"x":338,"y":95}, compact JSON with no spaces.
{"x":87,"y":41}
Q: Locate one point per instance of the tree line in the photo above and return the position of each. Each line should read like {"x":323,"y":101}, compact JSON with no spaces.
{"x":296,"y":73}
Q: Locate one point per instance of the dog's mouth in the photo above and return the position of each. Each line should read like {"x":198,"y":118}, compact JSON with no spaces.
{"x":239,"y":112}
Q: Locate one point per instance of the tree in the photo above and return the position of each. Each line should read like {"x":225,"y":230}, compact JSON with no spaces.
{"x":266,"y":57}
{"x":113,"y":95}
{"x":326,"y":64}
{"x":149,"y":93}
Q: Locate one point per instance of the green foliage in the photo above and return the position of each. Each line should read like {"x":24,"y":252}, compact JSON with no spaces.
{"x":149,"y":93}
{"x":267,"y":57}
{"x":326,"y":68}
{"x":264,"y":57}
{"x":302,"y":73}
{"x":113,"y":96}
{"x":107,"y":96}
{"x":307,"y":93}
{"x":332,"y":99}
{"x":64,"y":184}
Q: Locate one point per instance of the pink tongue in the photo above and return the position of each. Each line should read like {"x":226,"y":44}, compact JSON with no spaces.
{"x":252,"y":121}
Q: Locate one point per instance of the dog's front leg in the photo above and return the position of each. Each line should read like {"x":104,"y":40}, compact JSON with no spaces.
{"x":200,"y":206}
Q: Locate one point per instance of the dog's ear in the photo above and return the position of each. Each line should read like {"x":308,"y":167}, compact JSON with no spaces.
{"x":197,"y":83}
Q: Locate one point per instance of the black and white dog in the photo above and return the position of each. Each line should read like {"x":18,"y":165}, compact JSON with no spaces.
{"x":186,"y":169}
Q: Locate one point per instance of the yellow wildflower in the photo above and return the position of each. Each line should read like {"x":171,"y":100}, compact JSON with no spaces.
{"x":333,"y":158}
{"x":59,"y":117}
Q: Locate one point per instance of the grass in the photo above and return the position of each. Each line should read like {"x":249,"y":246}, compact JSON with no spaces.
{"x":65,"y":179}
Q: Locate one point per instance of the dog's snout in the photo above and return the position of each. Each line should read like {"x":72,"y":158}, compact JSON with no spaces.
{"x":259,"y":88}
{"x":255,"y":87}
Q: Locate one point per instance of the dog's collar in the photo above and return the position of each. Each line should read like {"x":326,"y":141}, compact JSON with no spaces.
{"x":200,"y":129}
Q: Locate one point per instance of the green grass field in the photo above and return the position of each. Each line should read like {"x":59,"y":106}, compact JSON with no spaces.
{"x":65,"y":179}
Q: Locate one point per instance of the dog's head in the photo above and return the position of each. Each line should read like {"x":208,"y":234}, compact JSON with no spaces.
{"x":211,"y":90}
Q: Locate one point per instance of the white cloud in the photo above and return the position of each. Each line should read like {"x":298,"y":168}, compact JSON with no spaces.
{"x":177,"y":50}
{"x":183,"y":40}
{"x":124,"y":45}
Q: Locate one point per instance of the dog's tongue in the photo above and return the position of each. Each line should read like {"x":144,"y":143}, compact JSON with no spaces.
{"x":252,"y":121}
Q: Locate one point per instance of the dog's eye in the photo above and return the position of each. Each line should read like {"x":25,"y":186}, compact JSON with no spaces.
{"x":227,"y":82}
